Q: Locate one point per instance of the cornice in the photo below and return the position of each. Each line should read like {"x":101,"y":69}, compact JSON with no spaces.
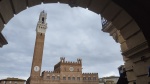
{"x":135,"y":50}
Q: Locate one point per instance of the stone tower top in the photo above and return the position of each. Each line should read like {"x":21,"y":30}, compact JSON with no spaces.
{"x":42,"y":25}
{"x":43,"y":17}
{"x":62,"y":59}
{"x":79,"y":60}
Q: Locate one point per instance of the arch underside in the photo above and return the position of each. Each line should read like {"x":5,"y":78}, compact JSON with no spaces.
{"x":128,"y":30}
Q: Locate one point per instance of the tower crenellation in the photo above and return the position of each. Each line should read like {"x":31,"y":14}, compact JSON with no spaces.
{"x":79,"y":60}
{"x":62,"y":59}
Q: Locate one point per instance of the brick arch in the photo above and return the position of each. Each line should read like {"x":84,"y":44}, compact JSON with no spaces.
{"x":120,"y":25}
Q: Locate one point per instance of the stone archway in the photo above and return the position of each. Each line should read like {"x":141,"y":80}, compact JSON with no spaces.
{"x":120,"y":25}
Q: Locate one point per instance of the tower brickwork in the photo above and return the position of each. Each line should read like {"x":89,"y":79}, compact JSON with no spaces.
{"x":39,"y":46}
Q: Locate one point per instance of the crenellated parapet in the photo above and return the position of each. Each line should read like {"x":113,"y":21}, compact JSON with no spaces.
{"x":70,"y":62}
{"x":49,"y":73}
{"x":79,"y":60}
{"x":62,"y":61}
{"x":90,"y":76}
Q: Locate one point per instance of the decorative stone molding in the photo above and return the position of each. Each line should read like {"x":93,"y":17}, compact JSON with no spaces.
{"x":135,"y":50}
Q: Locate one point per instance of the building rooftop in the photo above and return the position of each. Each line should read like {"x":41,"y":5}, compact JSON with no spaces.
{"x":12,"y":79}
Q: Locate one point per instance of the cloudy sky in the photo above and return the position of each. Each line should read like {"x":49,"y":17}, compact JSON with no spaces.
{"x":72,"y":33}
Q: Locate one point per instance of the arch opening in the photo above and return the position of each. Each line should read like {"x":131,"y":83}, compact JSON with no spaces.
{"x":84,"y":36}
{"x":133,"y":42}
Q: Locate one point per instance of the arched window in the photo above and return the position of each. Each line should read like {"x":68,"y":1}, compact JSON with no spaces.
{"x":94,"y":78}
{"x":58,"y":77}
{"x":64,"y":78}
{"x":89,"y":78}
{"x":73,"y":78}
{"x":48,"y":76}
{"x":78,"y":78}
{"x":53,"y":77}
{"x":69,"y":78}
{"x":15,"y":82}
{"x":84,"y":78}
{"x":42,"y":19}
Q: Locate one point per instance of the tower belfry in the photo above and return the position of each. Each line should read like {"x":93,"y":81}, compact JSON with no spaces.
{"x":42,"y":25}
{"x":39,"y":45}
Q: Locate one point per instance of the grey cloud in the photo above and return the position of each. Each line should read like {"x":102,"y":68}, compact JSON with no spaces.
{"x":72,"y":33}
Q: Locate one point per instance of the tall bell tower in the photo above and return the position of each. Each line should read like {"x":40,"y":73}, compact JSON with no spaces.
{"x":39,"y":45}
